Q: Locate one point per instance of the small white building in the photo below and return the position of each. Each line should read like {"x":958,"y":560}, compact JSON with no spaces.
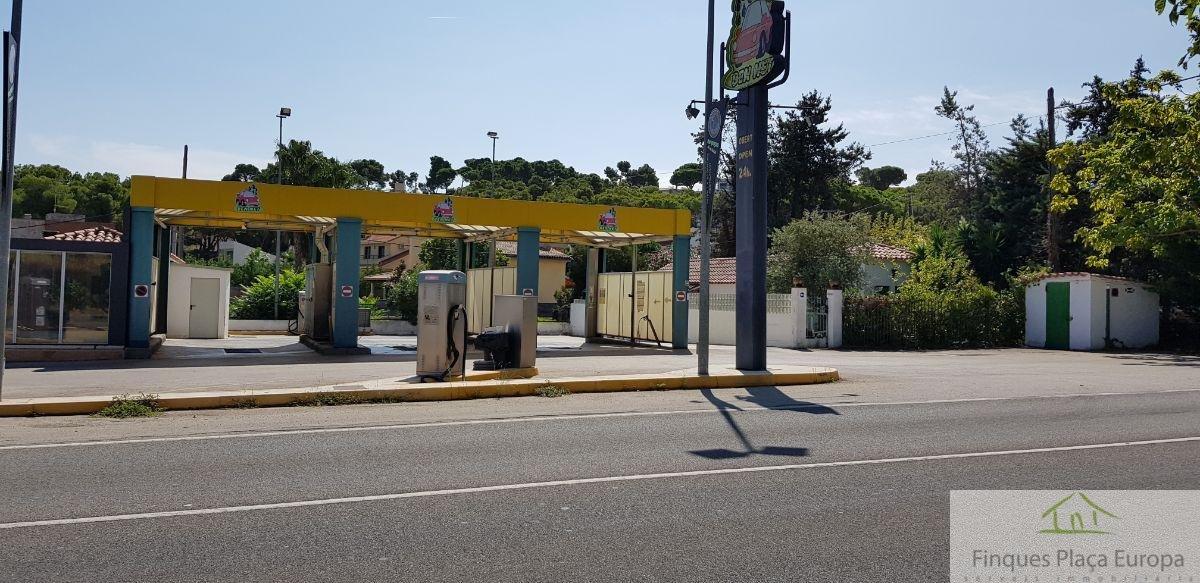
{"x":238,"y":253}
{"x":1085,"y":311}
{"x":198,"y":302}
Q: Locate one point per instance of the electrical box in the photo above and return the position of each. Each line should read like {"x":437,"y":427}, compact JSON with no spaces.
{"x":318,"y":301}
{"x":441,"y":324}
{"x":518,"y":314}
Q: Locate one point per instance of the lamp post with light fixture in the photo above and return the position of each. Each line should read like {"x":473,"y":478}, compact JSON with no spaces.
{"x":284,"y":112}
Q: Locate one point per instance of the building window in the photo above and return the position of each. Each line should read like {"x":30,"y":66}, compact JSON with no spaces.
{"x":380,"y":251}
{"x":60,"y":298}
{"x":367,"y":252}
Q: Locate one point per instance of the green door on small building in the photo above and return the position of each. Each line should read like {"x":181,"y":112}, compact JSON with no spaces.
{"x":1058,"y":316}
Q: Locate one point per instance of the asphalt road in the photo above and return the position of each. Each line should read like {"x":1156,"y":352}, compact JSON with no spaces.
{"x":759,"y":485}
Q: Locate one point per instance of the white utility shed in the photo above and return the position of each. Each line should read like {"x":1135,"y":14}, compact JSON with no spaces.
{"x":198,"y":302}
{"x":1085,"y":311}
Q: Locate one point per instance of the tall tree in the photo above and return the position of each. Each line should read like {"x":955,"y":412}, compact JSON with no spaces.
{"x":1187,"y":11}
{"x":370,"y":174}
{"x":687,"y":175}
{"x":881,"y":178}
{"x":971,"y":147}
{"x":1143,"y":184}
{"x":441,"y":175}
{"x":805,"y":157}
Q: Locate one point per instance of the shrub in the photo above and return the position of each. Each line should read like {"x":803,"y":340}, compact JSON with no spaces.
{"x":258,"y":302}
{"x":402,"y":295}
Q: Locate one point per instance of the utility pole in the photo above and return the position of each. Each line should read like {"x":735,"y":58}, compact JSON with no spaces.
{"x":12,"y":60}
{"x":1053,"y":253}
{"x":710,"y":178}
{"x":185,"y":157}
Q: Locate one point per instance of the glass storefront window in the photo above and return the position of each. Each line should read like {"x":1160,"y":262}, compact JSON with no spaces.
{"x":39,"y":283}
{"x":49,"y":309}
{"x":86,"y":302}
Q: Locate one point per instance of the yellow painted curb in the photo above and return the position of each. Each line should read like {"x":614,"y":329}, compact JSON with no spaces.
{"x":475,"y":388}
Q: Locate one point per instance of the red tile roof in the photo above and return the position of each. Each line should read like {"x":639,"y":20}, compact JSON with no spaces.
{"x":509,"y":248}
{"x":92,"y":235}
{"x":395,"y":260}
{"x":721,"y":270}
{"x":889,"y":253}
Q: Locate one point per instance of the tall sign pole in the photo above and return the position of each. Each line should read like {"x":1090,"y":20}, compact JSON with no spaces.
{"x":12,"y":42}
{"x":714,"y":125}
{"x":755,"y":58}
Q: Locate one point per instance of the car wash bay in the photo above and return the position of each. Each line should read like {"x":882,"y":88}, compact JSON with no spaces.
{"x":335,"y":220}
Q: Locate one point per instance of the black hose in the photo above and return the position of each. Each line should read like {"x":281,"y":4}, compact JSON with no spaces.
{"x":453,"y":355}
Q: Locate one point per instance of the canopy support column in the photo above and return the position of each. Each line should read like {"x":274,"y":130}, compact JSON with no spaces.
{"x":528,"y":257}
{"x":346,"y":271}
{"x":682,"y":272}
{"x":141,"y":275}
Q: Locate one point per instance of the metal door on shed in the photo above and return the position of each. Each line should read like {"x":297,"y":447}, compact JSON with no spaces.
{"x":1058,"y":316}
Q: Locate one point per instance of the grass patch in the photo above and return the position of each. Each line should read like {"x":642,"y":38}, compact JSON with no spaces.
{"x":552,"y":391}
{"x":130,"y":406}
{"x":341,"y":400}
{"x":245,"y":404}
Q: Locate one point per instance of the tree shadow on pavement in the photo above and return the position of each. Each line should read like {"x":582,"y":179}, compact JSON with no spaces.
{"x":1143,"y":359}
{"x":766,"y":397}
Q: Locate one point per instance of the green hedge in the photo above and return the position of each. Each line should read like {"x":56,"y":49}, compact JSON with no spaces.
{"x":258,"y":303}
{"x":932,"y":321}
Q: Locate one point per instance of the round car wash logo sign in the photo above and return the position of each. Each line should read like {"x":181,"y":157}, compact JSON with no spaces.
{"x":444,"y":212}
{"x":608,"y":221}
{"x":247,"y":201}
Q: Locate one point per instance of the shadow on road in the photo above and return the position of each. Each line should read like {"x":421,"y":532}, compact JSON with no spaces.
{"x":1157,"y":359}
{"x":766,"y":397}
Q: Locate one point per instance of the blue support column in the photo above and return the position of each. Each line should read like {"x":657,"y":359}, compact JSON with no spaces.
{"x":528,"y":243}
{"x":141,"y":273}
{"x":346,"y":271}
{"x":682,"y":271}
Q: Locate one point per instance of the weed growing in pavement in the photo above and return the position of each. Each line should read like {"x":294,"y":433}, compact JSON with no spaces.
{"x":128,"y":406}
{"x":327,"y":400}
{"x":552,"y":391}
{"x":245,"y":404}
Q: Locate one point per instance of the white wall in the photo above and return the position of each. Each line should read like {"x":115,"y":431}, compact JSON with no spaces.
{"x":1135,"y":316}
{"x":786,"y":320}
{"x":1035,"y":315}
{"x":879,"y":274}
{"x":1081,"y":313}
{"x":179,"y":298}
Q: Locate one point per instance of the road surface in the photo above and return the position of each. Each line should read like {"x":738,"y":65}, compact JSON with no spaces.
{"x":816,"y":484}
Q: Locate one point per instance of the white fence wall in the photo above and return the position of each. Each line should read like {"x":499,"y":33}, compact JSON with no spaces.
{"x":787,"y":319}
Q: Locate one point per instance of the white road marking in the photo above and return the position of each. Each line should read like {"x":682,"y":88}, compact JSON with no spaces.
{"x":543,"y":418}
{"x":578,"y":482}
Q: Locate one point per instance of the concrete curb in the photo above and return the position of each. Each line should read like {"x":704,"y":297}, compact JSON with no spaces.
{"x":451,"y":391}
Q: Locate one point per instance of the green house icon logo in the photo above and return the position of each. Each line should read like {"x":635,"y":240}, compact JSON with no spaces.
{"x":1076,"y":515}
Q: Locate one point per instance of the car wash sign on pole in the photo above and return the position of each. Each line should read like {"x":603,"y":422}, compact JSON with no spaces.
{"x":755,"y":58}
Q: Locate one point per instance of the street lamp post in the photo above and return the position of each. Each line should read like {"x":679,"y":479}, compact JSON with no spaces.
{"x":284,"y":112}
{"x":494,"y":136}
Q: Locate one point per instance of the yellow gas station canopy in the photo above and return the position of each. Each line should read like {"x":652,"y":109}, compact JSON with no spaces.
{"x":244,"y":205}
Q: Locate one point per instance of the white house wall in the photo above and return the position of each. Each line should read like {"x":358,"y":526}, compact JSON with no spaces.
{"x":1133,"y":321}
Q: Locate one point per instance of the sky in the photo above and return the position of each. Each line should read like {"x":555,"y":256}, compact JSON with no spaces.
{"x":122,"y":85}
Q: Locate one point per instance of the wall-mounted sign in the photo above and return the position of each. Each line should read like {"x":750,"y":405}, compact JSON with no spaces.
{"x":443,"y":212}
{"x":527,"y":292}
{"x":608,"y":221}
{"x":248,"y":201}
{"x":755,"y":44}
{"x":681,"y":296}
{"x":347,"y":291}
{"x":141,"y":290}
